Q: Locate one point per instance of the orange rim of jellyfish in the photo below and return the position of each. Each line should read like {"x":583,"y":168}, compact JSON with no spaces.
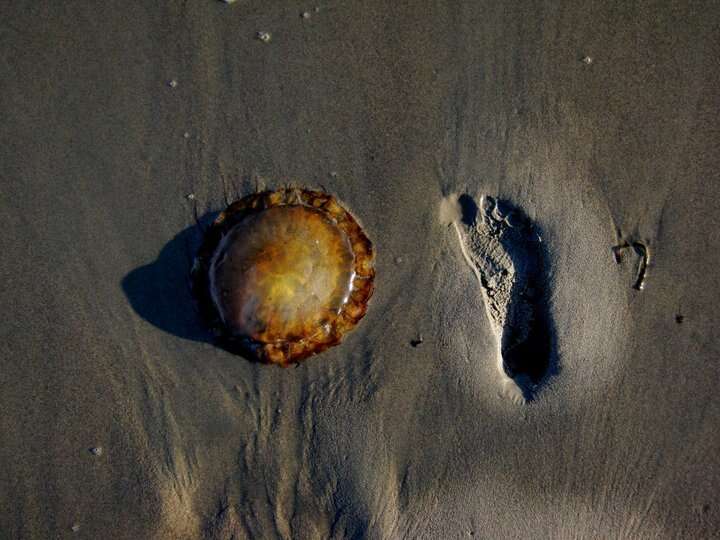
{"x":285,"y":352}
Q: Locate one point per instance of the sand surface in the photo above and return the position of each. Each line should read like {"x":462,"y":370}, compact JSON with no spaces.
{"x":598,"y":119}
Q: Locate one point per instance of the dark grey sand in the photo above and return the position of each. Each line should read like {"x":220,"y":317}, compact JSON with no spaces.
{"x":598,"y":119}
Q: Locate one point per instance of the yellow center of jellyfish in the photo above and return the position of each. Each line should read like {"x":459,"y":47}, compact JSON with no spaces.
{"x":281,"y":274}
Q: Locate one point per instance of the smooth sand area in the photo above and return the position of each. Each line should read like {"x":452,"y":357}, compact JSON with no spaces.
{"x":121,"y":120}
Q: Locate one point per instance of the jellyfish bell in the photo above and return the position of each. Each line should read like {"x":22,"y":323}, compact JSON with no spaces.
{"x":283,"y":275}
{"x":280,"y":274}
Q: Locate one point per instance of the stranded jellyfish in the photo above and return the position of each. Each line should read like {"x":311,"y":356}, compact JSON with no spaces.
{"x":282,"y":275}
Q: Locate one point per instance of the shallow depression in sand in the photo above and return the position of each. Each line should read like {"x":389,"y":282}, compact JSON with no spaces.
{"x":504,"y":250}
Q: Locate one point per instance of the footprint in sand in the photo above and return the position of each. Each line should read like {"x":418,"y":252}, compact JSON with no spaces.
{"x":505,"y":252}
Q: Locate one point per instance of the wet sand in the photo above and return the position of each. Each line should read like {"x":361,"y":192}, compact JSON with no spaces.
{"x":599,"y":120}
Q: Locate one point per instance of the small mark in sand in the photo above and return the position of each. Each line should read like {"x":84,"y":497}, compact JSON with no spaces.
{"x":679,"y":318}
{"x":265,"y":37}
{"x":173,"y":83}
{"x":641,"y":250}
{"x":617,"y":253}
{"x":417,"y":341}
{"x":96,"y":450}
{"x":502,"y":247}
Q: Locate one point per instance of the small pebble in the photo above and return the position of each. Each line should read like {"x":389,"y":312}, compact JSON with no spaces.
{"x":305,"y":14}
{"x":398,"y":260}
{"x":265,"y":37}
{"x":75,"y":527}
{"x":173,"y":84}
{"x":229,"y":1}
{"x":190,"y":196}
{"x":333,"y":174}
{"x":186,"y":135}
{"x":317,"y":10}
{"x":96,"y":451}
{"x":587,"y":60}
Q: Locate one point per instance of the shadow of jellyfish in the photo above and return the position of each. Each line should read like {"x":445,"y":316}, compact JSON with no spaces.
{"x":160,"y":291}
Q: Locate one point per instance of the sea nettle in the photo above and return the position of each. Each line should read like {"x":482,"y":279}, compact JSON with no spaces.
{"x":282,"y":275}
